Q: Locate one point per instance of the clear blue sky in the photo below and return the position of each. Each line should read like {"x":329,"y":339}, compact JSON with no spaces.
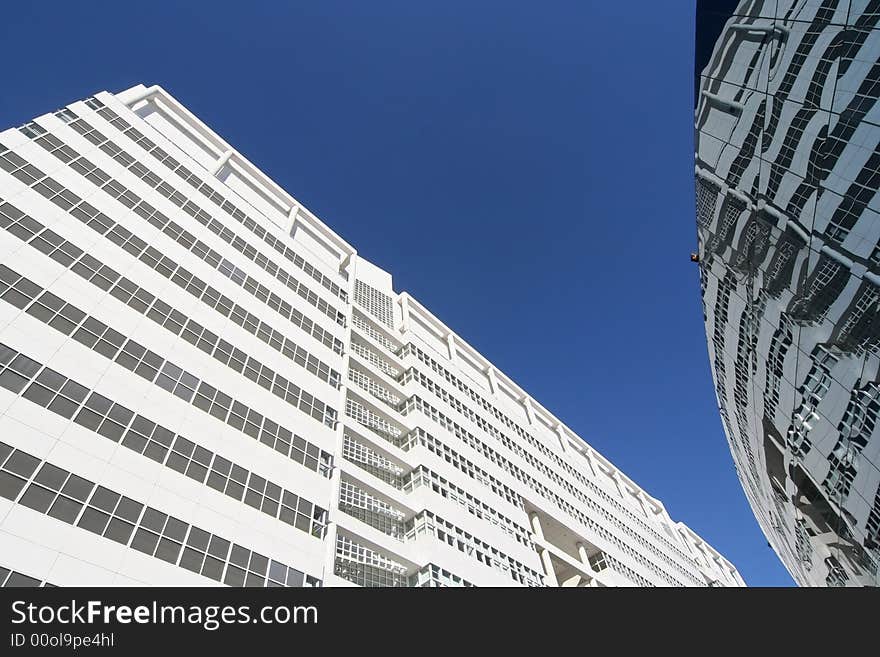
{"x":523,"y":169}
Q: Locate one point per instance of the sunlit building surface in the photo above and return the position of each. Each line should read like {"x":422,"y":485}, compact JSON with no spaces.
{"x":201,"y":383}
{"x":787,"y":170}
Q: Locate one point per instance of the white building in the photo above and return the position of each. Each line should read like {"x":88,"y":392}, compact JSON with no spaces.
{"x":201,"y":383}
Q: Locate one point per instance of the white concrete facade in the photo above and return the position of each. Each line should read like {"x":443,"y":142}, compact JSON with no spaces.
{"x":202,"y":384}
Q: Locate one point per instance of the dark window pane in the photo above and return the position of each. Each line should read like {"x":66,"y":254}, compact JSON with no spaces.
{"x":93,"y":520}
{"x":37,"y":498}
{"x":22,"y":464}
{"x":65,"y":509}
{"x":119,"y":530}
{"x":10,"y":485}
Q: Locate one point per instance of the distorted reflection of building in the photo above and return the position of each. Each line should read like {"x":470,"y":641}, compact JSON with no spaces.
{"x":787,"y":170}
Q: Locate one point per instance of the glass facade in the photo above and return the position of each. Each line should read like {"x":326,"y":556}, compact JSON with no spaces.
{"x":787,"y":168}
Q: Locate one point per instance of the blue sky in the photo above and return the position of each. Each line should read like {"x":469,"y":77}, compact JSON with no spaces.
{"x":524,"y":170}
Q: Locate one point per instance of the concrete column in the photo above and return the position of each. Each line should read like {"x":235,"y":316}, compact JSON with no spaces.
{"x":291,"y":213}
{"x":530,"y":413}
{"x":344,"y":261}
{"x":329,"y":550}
{"x":221,"y":162}
{"x":618,"y":483}
{"x":493,"y":380}
{"x":450,"y":343}
{"x":563,"y":439}
{"x":549,"y":573}
{"x":536,"y":525}
{"x":589,"y":459}
{"x":582,"y":554}
{"x":333,"y":510}
{"x":404,"y":313}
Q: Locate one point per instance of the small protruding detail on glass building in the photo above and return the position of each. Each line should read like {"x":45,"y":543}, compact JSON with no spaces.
{"x":787,"y":171}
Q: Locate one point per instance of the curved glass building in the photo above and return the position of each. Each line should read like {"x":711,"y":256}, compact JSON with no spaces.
{"x":787,"y":170}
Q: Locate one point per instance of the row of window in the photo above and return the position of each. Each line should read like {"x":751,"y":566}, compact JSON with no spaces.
{"x":374,"y":422}
{"x":366,"y":567}
{"x":14,"y":579}
{"x":415,"y":403}
{"x":378,"y":304}
{"x":377,"y":390}
{"x":384,"y":469}
{"x":112,"y":344}
{"x":139,"y":299}
{"x":367,"y":575}
{"x":429,"y":523}
{"x":373,"y":358}
{"x":69,"y":399}
{"x":433,"y":576}
{"x":165,"y":265}
{"x":94,"y":334}
{"x":366,"y":327}
{"x":419,"y":436}
{"x":379,"y":425}
{"x":413,"y":374}
{"x":369,"y":509}
{"x":352,"y":564}
{"x":423,"y":476}
{"x":550,"y":455}
{"x":210,"y":193}
{"x":371,"y":461}
{"x":54,"y":145}
{"x":77,"y":501}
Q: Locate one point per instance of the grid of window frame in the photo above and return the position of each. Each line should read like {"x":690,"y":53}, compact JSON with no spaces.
{"x":363,"y":324}
{"x":429,"y":523}
{"x":102,"y":511}
{"x":73,"y":401}
{"x":549,"y":455}
{"x":165,"y":265}
{"x":367,"y":508}
{"x":361,"y":455}
{"x":707,"y":197}
{"x":422,"y":476}
{"x":13,"y":579}
{"x":416,"y":403}
{"x":419,"y":436}
{"x":378,"y":304}
{"x":375,"y":423}
{"x":129,"y":198}
{"x":365,"y":567}
{"x":369,"y":385}
{"x":413,"y":374}
{"x":107,"y":279}
{"x":374,"y":359}
{"x":433,"y":576}
{"x":213,"y":195}
{"x":94,"y":334}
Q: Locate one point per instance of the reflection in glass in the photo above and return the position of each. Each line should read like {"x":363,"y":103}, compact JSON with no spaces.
{"x":787,"y":170}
